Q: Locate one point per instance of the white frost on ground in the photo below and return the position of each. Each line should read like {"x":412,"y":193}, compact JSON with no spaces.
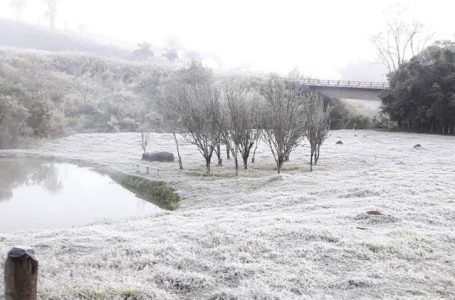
{"x":300,"y":235}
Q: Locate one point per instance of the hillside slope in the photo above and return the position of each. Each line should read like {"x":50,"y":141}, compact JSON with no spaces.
{"x":23,"y":35}
{"x":45,"y":94}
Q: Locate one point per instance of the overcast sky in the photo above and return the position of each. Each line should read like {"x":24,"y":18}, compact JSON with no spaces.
{"x":319,"y":37}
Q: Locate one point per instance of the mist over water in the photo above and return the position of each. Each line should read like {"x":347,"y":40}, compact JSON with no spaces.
{"x":36,"y":194}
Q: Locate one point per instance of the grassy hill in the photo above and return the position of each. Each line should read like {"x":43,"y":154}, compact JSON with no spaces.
{"x":46,"y":94}
{"x":23,"y":35}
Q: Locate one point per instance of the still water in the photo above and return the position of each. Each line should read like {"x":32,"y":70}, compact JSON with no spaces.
{"x":37,"y":194}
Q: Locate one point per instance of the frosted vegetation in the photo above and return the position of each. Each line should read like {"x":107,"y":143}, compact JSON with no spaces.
{"x":376,"y":219}
{"x":421,"y":94}
{"x":264,"y":236}
{"x":47,"y":95}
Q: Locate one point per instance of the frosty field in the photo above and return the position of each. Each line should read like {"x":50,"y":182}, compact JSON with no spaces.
{"x":299,"y":235}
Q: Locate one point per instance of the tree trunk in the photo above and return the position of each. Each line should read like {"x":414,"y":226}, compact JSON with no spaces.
{"x":316,"y":155}
{"x":311,"y":160}
{"x":253,"y":158}
{"x":178,"y":151}
{"x":207,"y":165}
{"x":245,"y":162}
{"x":279,"y":163}
{"x":218,"y":154}
{"x":235,"y":152}
{"x":228,"y":150}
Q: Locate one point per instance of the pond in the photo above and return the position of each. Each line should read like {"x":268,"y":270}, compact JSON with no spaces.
{"x":39,"y":194}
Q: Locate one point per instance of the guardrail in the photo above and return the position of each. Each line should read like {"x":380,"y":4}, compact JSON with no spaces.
{"x":345,"y":83}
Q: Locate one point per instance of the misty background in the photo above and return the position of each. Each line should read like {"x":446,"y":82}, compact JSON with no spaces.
{"x":323,"y":39}
{"x":97,"y":66}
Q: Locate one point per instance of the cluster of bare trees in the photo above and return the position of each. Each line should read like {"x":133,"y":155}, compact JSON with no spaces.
{"x":213,"y":113}
{"x":290,"y":116}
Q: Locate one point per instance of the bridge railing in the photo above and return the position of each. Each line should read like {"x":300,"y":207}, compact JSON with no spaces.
{"x":345,"y":83}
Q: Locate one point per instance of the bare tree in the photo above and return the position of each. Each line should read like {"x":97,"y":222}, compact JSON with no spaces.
{"x":199,"y":109}
{"x":317,"y":125}
{"x":171,"y":98}
{"x":19,"y":6}
{"x":242,"y":121}
{"x":283,"y":119}
{"x":237,"y":124}
{"x":401,"y":40}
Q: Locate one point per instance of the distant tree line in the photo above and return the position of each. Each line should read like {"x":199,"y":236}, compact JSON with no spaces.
{"x":421,"y":96}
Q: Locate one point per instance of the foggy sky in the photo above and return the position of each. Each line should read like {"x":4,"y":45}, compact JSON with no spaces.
{"x":318,"y":37}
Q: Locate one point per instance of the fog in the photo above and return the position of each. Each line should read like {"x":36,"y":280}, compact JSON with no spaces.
{"x":324,"y":39}
{"x":227,"y":149}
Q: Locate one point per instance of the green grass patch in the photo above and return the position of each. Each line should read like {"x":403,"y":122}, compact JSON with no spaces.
{"x":156,"y":192}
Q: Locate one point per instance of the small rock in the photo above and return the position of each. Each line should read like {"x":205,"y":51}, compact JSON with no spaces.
{"x":374,"y":213}
{"x":417,"y":146}
{"x":339,"y":143}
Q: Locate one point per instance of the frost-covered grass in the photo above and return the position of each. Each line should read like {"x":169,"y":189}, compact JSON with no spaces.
{"x":263,"y":236}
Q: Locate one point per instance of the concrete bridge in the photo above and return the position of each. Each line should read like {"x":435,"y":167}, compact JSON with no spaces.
{"x":344,"y":89}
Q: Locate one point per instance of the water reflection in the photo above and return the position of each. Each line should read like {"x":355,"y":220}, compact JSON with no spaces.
{"x":18,"y":172}
{"x":42,"y":194}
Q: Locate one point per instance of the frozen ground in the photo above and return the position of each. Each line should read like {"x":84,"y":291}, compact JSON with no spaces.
{"x":300,"y":235}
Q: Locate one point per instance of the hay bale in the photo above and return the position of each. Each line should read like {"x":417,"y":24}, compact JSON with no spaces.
{"x":158,"y":156}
